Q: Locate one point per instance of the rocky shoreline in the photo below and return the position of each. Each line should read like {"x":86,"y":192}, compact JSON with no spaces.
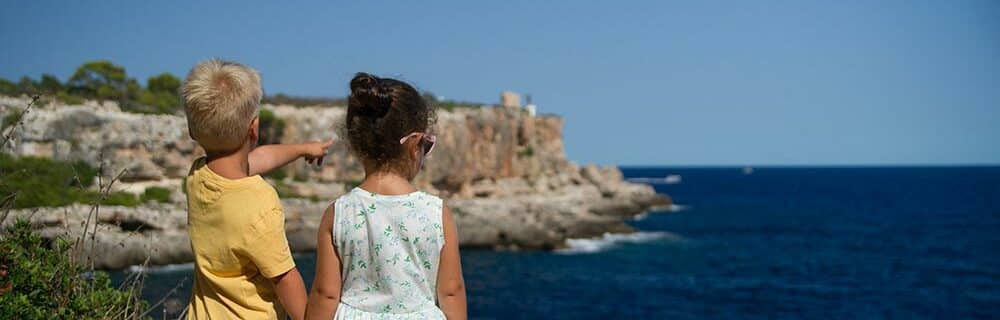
{"x":502,"y":170}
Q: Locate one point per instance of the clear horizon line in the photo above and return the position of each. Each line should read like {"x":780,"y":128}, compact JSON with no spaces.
{"x":858,"y":165}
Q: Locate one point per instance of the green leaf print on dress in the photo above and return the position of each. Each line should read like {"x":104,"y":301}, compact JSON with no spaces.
{"x":390,"y":247}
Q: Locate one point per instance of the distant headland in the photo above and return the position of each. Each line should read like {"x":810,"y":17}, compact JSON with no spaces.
{"x":501,"y":167}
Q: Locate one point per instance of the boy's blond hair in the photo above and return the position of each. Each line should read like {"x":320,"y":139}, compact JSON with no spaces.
{"x":221,"y":98}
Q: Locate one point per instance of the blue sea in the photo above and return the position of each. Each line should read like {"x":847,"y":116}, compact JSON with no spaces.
{"x":791,"y":243}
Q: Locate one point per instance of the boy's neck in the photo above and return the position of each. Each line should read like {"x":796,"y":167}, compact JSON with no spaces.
{"x":234,"y":165}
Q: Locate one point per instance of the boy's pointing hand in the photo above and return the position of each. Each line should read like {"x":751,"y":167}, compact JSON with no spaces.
{"x":314,"y":152}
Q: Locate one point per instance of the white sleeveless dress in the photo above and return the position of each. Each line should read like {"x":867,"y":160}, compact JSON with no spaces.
{"x":389,"y":247}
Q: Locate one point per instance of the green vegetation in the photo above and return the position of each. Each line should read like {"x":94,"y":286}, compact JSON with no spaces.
{"x":8,"y":88}
{"x":449,"y":105}
{"x":158,"y":194}
{"x":527,"y":152}
{"x":271,"y":127}
{"x":39,"y":280}
{"x":278,"y":174}
{"x":282,"y":98}
{"x":42,"y":278}
{"x":40,"y":182}
{"x":101,"y":80}
{"x":104,"y":81}
{"x":162,"y":93}
{"x":11,"y":119}
{"x":114,"y":199}
{"x":353,"y":183}
{"x":285,"y":191}
{"x":300,"y":177}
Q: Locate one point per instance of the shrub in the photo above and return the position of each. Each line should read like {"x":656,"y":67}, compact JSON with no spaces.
{"x":282,"y":98}
{"x":527,"y":152}
{"x":50,"y":84}
{"x":300,"y":177}
{"x":447,"y":105}
{"x":40,"y":182}
{"x":163,"y":82}
{"x":11,"y":118}
{"x":278,"y":174}
{"x":118,"y":199}
{"x":158,"y":194}
{"x":157,"y":102}
{"x":8,"y":88}
{"x":286,"y":191}
{"x":103,"y":80}
{"x":353,"y":183}
{"x":39,"y":280}
{"x":27,"y":85}
{"x":99,"y":79}
{"x":271,"y":127}
{"x":69,"y":99}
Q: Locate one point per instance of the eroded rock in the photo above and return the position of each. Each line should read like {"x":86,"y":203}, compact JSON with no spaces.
{"x":502,"y":171}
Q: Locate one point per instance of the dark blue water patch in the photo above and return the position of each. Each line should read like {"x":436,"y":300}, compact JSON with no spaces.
{"x":815,"y":243}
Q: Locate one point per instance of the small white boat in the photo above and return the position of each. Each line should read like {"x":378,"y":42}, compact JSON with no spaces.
{"x":747,"y":170}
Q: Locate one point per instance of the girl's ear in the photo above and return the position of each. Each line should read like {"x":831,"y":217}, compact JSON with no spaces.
{"x":413,"y":147}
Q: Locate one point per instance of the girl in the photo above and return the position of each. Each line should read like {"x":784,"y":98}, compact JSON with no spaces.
{"x":386,"y":250}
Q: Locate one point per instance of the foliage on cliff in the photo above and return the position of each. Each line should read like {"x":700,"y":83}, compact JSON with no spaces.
{"x":44,"y":278}
{"x":36,"y":182}
{"x":103,"y":80}
{"x":282,"y":98}
{"x":157,"y":194}
{"x":449,"y":105}
{"x":271,"y":127}
{"x":40,"y":280}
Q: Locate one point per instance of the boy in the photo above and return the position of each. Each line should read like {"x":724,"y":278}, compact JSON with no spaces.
{"x":243,"y":267}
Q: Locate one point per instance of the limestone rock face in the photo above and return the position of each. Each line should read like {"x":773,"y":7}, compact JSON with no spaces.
{"x":150,"y":147}
{"x":502,"y":171}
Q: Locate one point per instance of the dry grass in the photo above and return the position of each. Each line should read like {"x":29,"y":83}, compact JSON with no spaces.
{"x":134,"y":307}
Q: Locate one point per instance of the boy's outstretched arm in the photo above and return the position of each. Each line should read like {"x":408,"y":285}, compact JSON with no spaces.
{"x":325,"y":294}
{"x":269,"y":157}
{"x":291,"y":293}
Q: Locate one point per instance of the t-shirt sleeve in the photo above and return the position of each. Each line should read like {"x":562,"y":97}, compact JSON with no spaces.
{"x":267,"y":245}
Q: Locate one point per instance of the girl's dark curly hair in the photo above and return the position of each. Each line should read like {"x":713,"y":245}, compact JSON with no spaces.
{"x":380,"y":111}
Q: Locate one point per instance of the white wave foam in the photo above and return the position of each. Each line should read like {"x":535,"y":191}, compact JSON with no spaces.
{"x":641,"y":216}
{"x":611,"y":240}
{"x":677,"y":207}
{"x":669,"y":179}
{"x":163,"y":268}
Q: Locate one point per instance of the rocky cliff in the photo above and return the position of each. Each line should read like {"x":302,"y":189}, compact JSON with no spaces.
{"x":502,"y":171}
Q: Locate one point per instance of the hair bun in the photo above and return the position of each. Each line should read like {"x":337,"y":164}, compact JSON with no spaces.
{"x":373,"y":97}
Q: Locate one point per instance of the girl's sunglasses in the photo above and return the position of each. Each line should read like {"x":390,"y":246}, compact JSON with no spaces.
{"x":427,"y":141}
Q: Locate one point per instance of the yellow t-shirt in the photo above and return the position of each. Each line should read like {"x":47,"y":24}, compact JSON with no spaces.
{"x":237,"y":230}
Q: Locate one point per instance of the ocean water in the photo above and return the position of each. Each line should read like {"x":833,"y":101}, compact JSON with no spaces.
{"x":792,"y":243}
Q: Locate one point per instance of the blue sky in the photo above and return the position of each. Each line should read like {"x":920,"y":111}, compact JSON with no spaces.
{"x":639,"y":83}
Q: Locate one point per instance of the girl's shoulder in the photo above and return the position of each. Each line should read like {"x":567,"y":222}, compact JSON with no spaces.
{"x":358,"y":194}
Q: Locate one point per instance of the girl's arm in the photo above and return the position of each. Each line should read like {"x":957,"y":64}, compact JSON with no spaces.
{"x":325,"y":294}
{"x":450,"y":284}
{"x":269,"y":157}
